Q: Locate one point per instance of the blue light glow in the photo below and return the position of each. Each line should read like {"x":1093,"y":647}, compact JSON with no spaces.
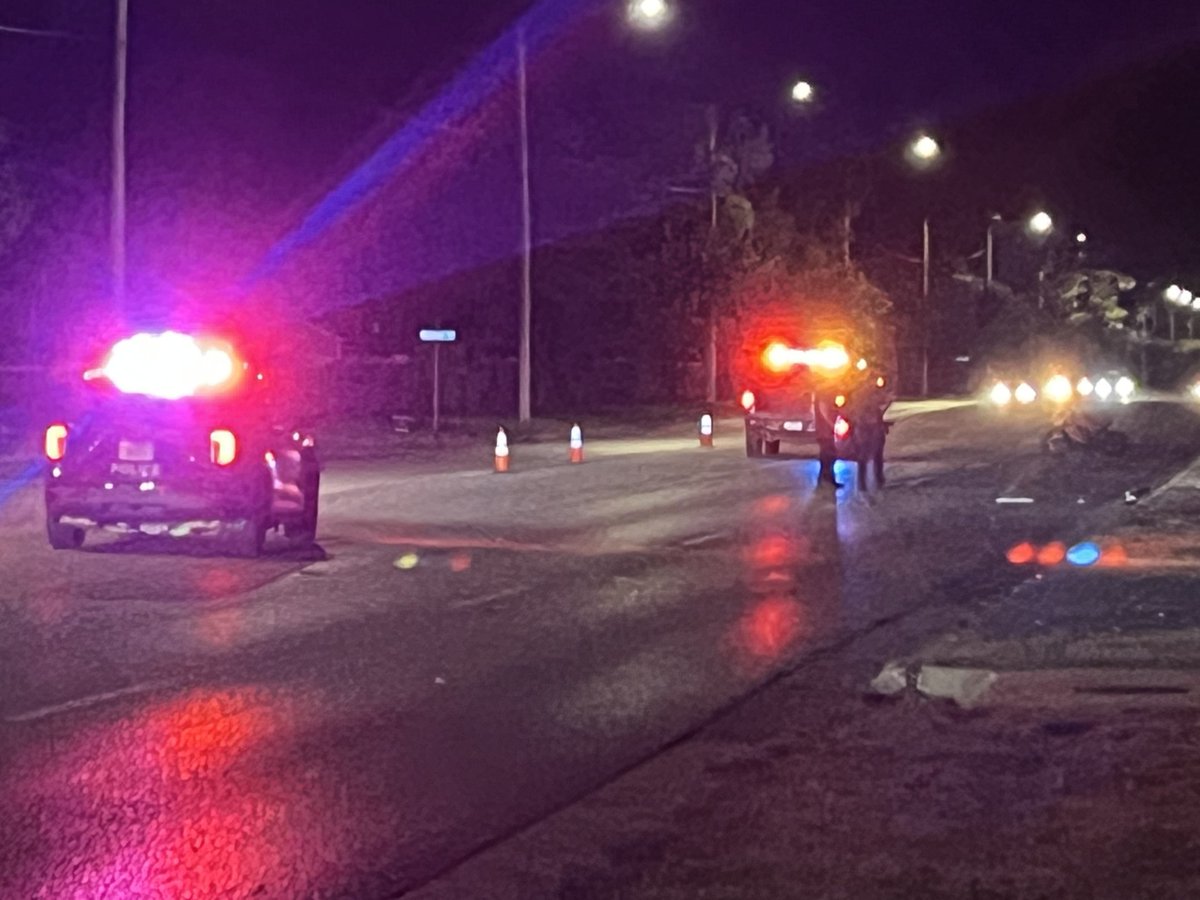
{"x":492,"y":71}
{"x":1084,"y":554}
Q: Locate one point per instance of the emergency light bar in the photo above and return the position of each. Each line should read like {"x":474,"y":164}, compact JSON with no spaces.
{"x":168,"y":365}
{"x":780,"y":357}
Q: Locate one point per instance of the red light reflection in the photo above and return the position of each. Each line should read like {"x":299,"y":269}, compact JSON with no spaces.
{"x":184,"y":799}
{"x":770,"y":627}
{"x":1022,"y":554}
{"x":1052,"y":554}
{"x":1113,"y":556}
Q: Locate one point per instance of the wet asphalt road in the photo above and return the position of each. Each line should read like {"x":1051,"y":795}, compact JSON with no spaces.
{"x":476,"y":651}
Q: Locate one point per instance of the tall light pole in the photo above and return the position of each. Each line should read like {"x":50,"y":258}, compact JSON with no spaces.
{"x":525,"y":362}
{"x":117,"y":226}
{"x":923,"y":152}
{"x":645,"y":14}
{"x":1041,"y":224}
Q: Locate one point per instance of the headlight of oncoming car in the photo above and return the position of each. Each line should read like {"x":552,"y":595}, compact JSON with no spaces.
{"x":1058,"y":389}
{"x":1124,"y":387}
{"x":1025,"y":394}
{"x":1000,"y":394}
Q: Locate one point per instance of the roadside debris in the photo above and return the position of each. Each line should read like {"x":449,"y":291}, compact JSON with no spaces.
{"x":966,"y":687}
{"x":890,"y":681}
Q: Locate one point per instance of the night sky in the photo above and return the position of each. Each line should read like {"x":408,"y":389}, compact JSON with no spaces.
{"x":245,"y":116}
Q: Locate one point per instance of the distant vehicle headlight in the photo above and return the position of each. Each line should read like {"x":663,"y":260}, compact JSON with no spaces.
{"x":1103,"y":389}
{"x":1000,"y":394}
{"x":1058,"y":389}
{"x":1194,"y":390}
{"x":1085,"y":387}
{"x":1124,"y":387}
{"x":1024,"y":393}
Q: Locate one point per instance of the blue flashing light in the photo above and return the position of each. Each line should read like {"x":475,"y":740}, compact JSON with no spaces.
{"x":1084,"y":554}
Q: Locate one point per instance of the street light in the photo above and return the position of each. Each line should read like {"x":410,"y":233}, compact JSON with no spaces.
{"x":802,"y":92}
{"x":1173,"y":293}
{"x":644,"y":14}
{"x":649,"y":13}
{"x":1040,"y":222}
{"x":922,"y":152}
{"x":925,"y":148}
{"x":1081,"y":237}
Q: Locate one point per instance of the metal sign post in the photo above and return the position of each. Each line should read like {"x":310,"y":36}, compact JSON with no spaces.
{"x":437,"y":337}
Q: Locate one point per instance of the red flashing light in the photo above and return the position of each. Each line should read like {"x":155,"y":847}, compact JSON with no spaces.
{"x":169,"y":365}
{"x":222,"y":446}
{"x":1022,"y":554}
{"x":777,"y":357}
{"x":1052,"y":554}
{"x":748,"y":400}
{"x":841,"y":429}
{"x":56,"y":442}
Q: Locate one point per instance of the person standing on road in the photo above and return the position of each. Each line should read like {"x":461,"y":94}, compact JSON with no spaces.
{"x":865,"y":413}
{"x":825,"y":415}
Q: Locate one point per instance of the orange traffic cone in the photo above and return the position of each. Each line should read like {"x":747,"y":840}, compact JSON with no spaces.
{"x":706,"y":430}
{"x":501,"y":451}
{"x":576,"y":444}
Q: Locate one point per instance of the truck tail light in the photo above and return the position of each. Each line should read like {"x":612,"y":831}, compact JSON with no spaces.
{"x":222,"y":446}
{"x":841,"y":429}
{"x":748,"y":399}
{"x":56,"y":442}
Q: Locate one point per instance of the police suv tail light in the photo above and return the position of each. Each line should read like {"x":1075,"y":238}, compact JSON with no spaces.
{"x":222,"y":446}
{"x":841,"y":429}
{"x":56,"y":442}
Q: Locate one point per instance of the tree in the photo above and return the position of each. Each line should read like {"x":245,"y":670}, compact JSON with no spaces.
{"x":1081,"y":295}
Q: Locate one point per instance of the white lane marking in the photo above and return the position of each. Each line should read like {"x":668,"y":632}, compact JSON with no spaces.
{"x":488,"y":598}
{"x":701,"y":539}
{"x":84,"y":702}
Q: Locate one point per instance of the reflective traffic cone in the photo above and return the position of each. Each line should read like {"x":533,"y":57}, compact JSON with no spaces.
{"x":576,"y":444}
{"x":706,"y":430}
{"x":501,"y":451}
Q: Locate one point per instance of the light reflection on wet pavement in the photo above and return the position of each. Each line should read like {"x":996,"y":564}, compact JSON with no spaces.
{"x":353,"y":729}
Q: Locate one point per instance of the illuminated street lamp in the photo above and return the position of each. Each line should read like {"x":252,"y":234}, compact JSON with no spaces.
{"x":1040,"y":222}
{"x":644,"y":14}
{"x":649,"y":13}
{"x":925,"y":148}
{"x":922,"y":152}
{"x":1081,"y":237}
{"x":802,"y":92}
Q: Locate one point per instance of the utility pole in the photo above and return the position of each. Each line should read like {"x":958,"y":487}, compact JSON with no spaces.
{"x":524,"y":404}
{"x":990,"y":260}
{"x":713,"y":116}
{"x":117,"y":226}
{"x":925,"y":308}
